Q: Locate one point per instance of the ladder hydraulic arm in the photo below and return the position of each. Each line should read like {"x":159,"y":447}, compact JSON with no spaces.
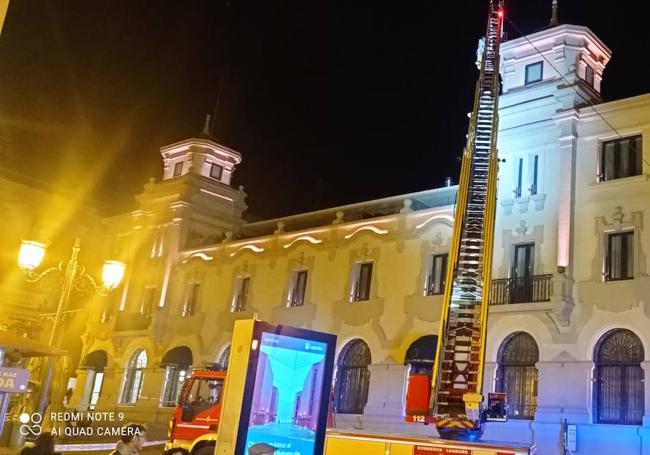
{"x":458,"y":371}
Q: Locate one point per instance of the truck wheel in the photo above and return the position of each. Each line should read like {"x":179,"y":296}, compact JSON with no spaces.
{"x":205,"y":450}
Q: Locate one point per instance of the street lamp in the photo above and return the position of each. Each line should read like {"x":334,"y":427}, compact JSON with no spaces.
{"x":75,"y":276}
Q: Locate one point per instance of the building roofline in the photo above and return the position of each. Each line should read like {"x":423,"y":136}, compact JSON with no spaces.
{"x":203,"y":142}
{"x":621,"y":103}
{"x":395,"y":203}
{"x":554,"y":31}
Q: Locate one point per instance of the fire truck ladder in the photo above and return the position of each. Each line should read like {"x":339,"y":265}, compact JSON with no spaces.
{"x":458,"y":370}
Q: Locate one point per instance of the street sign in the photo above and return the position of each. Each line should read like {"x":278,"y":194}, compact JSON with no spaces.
{"x":13,"y":380}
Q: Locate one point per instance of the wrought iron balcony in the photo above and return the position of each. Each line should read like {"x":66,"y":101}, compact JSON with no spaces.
{"x":536,"y":288}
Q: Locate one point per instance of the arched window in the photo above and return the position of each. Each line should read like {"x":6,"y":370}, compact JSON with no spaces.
{"x":517,"y":375}
{"x":618,"y":391}
{"x":352,"y":378}
{"x":177,"y":362}
{"x":133,"y":377}
{"x":224,"y":358}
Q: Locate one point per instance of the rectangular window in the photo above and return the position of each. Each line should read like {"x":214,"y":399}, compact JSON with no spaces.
{"x":216,"y":171}
{"x":524,"y":259}
{"x":436,"y":274}
{"x":619,"y":262}
{"x":620,"y":158}
{"x":534,"y":72}
{"x":362,"y":282}
{"x":298,"y":286}
{"x":240,"y":299}
{"x":191,"y":299}
{"x":520,"y":177}
{"x":178,"y":169}
{"x":533,"y":185}
{"x":521,"y":288}
{"x":589,"y":75}
{"x":148,"y":301}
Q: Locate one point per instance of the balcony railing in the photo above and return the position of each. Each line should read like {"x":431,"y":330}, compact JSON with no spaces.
{"x":131,"y":321}
{"x":536,"y":288}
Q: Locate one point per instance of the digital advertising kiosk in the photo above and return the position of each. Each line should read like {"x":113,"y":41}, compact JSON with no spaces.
{"x":277,"y":390}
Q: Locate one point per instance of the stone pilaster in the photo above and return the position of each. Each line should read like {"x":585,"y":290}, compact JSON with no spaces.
{"x":387,"y":392}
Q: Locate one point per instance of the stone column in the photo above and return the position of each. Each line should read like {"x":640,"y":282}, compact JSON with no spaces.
{"x":151,"y":387}
{"x":564,"y":391}
{"x":644,"y":431}
{"x":489,"y":372}
{"x":387,"y":391}
{"x":79,"y":396}
{"x":111,"y":388}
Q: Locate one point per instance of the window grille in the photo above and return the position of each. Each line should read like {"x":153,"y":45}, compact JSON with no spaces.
{"x":517,"y":375}
{"x":619,"y":389}
{"x":352,"y":378}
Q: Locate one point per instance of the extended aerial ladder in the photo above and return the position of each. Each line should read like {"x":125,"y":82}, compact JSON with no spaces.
{"x":458,"y":370}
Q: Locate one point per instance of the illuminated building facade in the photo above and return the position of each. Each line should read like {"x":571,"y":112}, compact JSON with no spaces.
{"x":569,"y":328}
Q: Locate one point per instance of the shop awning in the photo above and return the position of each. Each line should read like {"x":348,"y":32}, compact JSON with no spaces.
{"x":26,"y":347}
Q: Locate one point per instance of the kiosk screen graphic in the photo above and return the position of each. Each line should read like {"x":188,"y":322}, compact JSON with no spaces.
{"x":288,"y":396}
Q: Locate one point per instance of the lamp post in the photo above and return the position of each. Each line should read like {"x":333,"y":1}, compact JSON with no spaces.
{"x":74,"y":277}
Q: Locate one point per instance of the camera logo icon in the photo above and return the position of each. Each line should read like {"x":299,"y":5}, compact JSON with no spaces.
{"x":31,"y":424}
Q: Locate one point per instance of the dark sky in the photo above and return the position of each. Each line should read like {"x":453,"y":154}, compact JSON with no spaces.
{"x":328,"y":102}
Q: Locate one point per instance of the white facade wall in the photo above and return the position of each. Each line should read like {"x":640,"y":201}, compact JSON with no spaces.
{"x":566,"y":219}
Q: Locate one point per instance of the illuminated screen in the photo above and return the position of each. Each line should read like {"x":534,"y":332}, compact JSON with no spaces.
{"x":286,"y":399}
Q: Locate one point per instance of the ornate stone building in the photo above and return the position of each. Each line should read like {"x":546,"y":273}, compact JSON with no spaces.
{"x":569,"y":324}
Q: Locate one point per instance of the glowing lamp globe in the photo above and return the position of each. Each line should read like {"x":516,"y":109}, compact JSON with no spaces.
{"x":113,"y":273}
{"x":31,"y":254}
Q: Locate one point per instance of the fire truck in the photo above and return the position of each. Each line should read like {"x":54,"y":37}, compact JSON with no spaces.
{"x":195,"y":423}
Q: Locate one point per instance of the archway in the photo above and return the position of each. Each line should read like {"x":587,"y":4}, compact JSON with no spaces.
{"x":177,"y":362}
{"x":421,"y":355}
{"x":94,"y":363}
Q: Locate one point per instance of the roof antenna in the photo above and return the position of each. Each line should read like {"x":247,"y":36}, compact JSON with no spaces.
{"x":206,"y":126}
{"x":554,"y":18}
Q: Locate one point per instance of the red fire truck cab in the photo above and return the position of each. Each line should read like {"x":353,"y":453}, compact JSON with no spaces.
{"x":195,"y":421}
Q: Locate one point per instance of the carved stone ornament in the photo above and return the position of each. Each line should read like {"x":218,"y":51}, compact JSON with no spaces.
{"x":301,"y":259}
{"x":437,"y":241}
{"x":507,"y":206}
{"x":522,"y":228}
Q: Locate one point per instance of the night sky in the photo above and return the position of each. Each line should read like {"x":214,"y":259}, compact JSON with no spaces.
{"x":328,"y":102}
